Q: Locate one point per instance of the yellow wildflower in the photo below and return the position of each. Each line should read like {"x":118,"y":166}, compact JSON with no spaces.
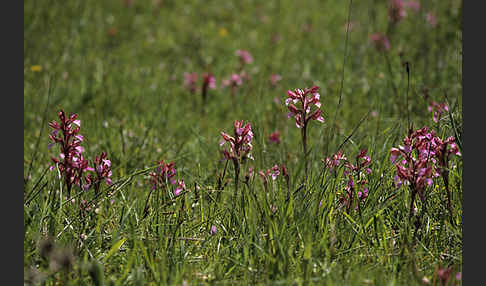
{"x":223,"y":32}
{"x":36,"y":68}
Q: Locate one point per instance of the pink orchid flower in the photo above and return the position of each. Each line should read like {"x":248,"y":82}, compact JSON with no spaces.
{"x":245,"y":56}
{"x":380,"y":41}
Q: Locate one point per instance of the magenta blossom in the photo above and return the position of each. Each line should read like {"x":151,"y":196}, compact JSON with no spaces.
{"x":420,"y":160}
{"x":274,"y":172}
{"x":245,"y":57}
{"x":431,"y":19}
{"x":103,"y":168}
{"x":70,"y":161}
{"x":163,"y":175}
{"x":437,"y":109}
{"x":284,"y":172}
{"x":396,"y":11}
{"x":444,"y":274}
{"x":306,"y":99}
{"x":443,"y":151}
{"x":413,"y":5}
{"x":356,"y":177}
{"x":240,"y":146}
{"x":380,"y":41}
{"x":274,"y":79}
{"x":180,"y":187}
{"x":209,"y":81}
{"x":240,"y":143}
{"x":103,"y":173}
{"x":162,"y":178}
{"x":308,"y":102}
{"x":213,"y":230}
{"x":274,"y":137}
{"x":190,"y":81}
{"x":249,"y":175}
{"x":233,"y":80}
{"x":335,"y":160}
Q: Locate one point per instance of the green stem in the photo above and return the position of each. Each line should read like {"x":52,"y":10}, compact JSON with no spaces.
{"x":304,"y":146}
{"x":445,"y":177}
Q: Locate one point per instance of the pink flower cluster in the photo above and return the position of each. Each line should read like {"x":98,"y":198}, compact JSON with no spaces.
{"x":163,"y":175}
{"x":274,"y":79}
{"x":249,"y":174}
{"x":419,"y":155}
{"x":70,"y":161}
{"x":102,"y":166}
{"x":307,"y":98}
{"x":416,"y":169}
{"x":431,"y":19}
{"x":413,"y":5}
{"x":380,"y":41}
{"x":234,"y":80}
{"x":274,"y":172}
{"x":437,"y":109}
{"x":274,"y":137}
{"x":190,"y":82}
{"x":396,"y":11}
{"x":356,"y":175}
{"x":444,"y":150}
{"x":245,"y":56}
{"x":213,"y":230}
{"x":209,"y":81}
{"x":335,"y":160}
{"x":240,"y":143}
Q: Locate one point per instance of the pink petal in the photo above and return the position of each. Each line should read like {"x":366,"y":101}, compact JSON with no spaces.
{"x":107,"y":162}
{"x":291,"y":94}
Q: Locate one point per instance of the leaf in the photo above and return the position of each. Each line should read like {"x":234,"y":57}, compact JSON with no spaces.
{"x":115,"y":248}
{"x":308,"y":247}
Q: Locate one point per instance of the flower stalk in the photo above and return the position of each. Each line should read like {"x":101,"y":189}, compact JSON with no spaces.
{"x":303,"y":113}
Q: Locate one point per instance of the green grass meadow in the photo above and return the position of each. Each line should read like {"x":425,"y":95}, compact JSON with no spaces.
{"x":119,"y":65}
